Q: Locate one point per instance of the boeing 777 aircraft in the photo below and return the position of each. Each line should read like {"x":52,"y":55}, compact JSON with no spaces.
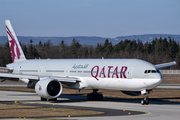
{"x":49,"y":76}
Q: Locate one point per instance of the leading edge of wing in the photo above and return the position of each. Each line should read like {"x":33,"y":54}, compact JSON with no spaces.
{"x":159,"y":66}
{"x":37,"y":78}
{"x":15,"y":76}
{"x":5,"y":69}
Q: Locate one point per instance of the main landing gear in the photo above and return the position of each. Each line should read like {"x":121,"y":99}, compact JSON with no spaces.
{"x":95,"y":95}
{"x":44,"y":99}
{"x":145,"y":100}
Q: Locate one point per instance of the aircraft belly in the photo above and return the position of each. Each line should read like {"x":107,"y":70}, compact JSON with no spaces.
{"x":104,"y":83}
{"x":117,"y":84}
{"x":122,"y":84}
{"x":109,"y":83}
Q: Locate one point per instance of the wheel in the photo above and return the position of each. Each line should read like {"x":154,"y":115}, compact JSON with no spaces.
{"x":142,"y":102}
{"x":101,"y":97}
{"x":147,"y":102}
{"x":54,"y":99}
{"x":93,"y":97}
{"x":43,"y":99}
{"x":88,"y":96}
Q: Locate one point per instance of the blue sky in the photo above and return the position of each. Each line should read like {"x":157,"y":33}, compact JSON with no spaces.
{"x":103,"y":18}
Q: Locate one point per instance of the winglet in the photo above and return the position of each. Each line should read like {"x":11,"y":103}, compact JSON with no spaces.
{"x":15,"y":48}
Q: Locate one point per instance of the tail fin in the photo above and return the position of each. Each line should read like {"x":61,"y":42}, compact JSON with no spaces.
{"x":15,"y":48}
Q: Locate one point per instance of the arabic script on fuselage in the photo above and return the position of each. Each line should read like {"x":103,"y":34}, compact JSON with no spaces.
{"x":80,"y":66}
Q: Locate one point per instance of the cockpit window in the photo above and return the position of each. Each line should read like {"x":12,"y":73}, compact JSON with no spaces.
{"x":158,"y":71}
{"x":151,"y":71}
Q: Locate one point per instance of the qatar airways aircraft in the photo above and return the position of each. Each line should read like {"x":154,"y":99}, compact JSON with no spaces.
{"x":49,"y":76}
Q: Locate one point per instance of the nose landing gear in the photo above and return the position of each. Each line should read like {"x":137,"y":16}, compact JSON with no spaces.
{"x":145,"y":100}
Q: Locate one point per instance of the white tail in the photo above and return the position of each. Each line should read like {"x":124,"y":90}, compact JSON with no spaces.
{"x":15,"y":48}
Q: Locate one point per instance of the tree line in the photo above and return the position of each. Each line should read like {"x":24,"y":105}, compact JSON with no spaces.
{"x":157,"y":51}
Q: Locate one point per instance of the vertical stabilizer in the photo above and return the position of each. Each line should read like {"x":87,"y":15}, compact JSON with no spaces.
{"x":15,"y":48}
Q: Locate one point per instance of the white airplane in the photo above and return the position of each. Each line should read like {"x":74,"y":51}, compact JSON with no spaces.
{"x":48,"y":77}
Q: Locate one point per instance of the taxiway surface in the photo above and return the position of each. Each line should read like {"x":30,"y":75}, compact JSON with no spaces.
{"x":156,"y":110}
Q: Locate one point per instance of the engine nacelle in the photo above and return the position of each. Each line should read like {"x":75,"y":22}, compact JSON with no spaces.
{"x":132,"y":93}
{"x":48,"y":88}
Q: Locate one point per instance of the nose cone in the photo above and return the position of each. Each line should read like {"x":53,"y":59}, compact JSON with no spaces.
{"x":155,"y":81}
{"x":158,"y":80}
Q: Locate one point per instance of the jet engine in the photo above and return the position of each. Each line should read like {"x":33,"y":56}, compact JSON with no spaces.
{"x":132,"y":93}
{"x":48,"y":88}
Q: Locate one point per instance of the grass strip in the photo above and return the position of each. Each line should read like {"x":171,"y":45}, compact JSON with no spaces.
{"x":21,"y":111}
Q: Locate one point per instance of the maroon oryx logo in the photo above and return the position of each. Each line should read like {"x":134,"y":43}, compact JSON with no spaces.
{"x":40,"y":88}
{"x":14,"y":47}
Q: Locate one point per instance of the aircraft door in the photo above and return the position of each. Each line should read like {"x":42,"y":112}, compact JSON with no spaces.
{"x":40,"y":70}
{"x":67,"y":72}
{"x":129,"y":73}
{"x":19,"y":70}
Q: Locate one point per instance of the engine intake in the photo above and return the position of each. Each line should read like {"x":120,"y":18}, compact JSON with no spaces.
{"x":53,"y":88}
{"x":48,"y":88}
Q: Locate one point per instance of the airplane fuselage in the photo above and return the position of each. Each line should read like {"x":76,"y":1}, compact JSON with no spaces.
{"x":114,"y":74}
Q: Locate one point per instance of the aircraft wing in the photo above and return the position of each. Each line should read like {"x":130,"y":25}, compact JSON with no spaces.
{"x":5,"y":69}
{"x":5,"y":76}
{"x":16,"y":77}
{"x":159,"y":66}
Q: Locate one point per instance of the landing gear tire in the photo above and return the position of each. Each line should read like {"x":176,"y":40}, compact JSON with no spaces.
{"x":145,"y":100}
{"x":43,"y":99}
{"x":94,"y":96}
{"x":88,"y":96}
{"x":54,"y":99}
{"x":101,"y":97}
